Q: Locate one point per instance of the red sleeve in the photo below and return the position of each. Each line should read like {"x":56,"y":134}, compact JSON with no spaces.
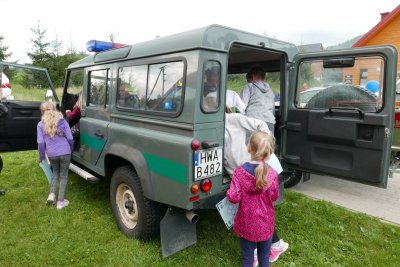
{"x":75,"y":113}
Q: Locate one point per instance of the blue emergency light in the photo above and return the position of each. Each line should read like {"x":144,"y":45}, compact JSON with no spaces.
{"x":98,"y":46}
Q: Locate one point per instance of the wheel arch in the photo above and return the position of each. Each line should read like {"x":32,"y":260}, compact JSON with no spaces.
{"x":120,"y":155}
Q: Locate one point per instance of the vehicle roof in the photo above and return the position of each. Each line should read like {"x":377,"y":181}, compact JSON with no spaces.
{"x":213,"y":37}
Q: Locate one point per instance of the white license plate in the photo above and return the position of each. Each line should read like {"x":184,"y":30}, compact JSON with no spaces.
{"x":207,"y":162}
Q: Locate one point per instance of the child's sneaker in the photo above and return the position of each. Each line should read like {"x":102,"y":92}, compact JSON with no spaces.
{"x":275,"y":252}
{"x":255,"y":262}
{"x":51,"y":199}
{"x":62,"y":204}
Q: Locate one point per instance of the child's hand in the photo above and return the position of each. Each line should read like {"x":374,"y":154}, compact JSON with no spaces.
{"x":67,"y":111}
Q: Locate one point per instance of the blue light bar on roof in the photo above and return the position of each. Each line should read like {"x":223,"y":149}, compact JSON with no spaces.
{"x":98,"y":46}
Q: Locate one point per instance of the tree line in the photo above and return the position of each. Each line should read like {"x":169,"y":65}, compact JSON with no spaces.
{"x":46,"y":54}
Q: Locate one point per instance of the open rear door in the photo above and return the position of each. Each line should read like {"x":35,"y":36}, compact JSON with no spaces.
{"x":339,"y":117}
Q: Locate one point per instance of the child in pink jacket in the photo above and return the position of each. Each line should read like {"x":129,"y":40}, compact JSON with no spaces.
{"x":255,"y":187}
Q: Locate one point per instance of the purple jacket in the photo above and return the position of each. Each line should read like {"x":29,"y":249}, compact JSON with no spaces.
{"x":61,"y":144}
{"x":255,"y":218}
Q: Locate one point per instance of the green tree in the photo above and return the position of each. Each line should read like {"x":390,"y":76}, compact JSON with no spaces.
{"x":39,"y":54}
{"x":57,"y":47}
{"x":3,"y":50}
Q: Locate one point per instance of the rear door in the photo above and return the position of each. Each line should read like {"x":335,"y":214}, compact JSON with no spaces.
{"x":339,"y":113}
{"x":21,"y":96}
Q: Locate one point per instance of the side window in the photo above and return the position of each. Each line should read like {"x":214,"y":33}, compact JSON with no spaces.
{"x":155,"y":87}
{"x":343,"y":82}
{"x":164,"y":89}
{"x":132,"y":87}
{"x":98,"y":88}
{"x":24,"y":84}
{"x":74,"y":88}
{"x":211,"y":86}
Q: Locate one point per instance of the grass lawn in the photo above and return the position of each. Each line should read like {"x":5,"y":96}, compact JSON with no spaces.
{"x":85,"y":233}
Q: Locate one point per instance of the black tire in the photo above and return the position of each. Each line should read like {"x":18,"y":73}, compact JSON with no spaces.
{"x":344,"y":96}
{"x":136,"y":215}
{"x":291,"y":177}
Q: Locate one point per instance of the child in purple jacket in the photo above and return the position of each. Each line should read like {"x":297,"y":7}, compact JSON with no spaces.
{"x":255,"y":187}
{"x":54,"y":138}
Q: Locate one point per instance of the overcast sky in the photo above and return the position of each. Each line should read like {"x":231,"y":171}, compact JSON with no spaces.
{"x":78,"y":21}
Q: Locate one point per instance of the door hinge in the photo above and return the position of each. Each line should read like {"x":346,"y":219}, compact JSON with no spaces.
{"x":387,"y":133}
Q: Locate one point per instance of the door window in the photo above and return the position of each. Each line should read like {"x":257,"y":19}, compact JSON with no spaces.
{"x":25,"y":84}
{"x":355,"y":82}
{"x":74,"y":88}
{"x":98,"y":88}
{"x":211,"y":86}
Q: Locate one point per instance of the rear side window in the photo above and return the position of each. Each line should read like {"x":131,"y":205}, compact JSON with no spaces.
{"x":355,"y":82}
{"x":211,"y":86}
{"x":98,"y":88}
{"x":154,"y":87}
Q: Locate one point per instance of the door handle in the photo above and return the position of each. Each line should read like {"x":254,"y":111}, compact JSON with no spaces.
{"x":25,"y":112}
{"x":206,"y":144}
{"x":99,"y":134}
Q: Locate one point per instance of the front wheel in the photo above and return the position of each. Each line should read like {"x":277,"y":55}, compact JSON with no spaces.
{"x":136,"y":215}
{"x":291,"y":177}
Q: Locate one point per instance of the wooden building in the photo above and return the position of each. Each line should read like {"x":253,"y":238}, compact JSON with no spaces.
{"x":386,"y":32}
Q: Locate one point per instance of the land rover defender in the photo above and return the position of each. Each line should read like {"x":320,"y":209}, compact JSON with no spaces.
{"x":146,"y":124}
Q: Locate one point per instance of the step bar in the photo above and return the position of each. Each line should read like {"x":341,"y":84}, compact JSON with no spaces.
{"x":84,"y":174}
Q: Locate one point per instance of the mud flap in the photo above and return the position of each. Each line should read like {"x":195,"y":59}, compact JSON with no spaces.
{"x":281,"y":198}
{"x":177,"y":233}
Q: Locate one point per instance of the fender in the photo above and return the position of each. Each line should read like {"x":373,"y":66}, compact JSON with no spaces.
{"x":138,"y":162}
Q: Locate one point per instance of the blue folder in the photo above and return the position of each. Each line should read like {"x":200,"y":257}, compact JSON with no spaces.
{"x":46,"y":169}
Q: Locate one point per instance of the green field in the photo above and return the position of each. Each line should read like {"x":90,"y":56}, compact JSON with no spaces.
{"x":85,"y":233}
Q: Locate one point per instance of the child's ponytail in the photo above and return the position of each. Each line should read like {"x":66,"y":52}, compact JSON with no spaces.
{"x":261,"y":146}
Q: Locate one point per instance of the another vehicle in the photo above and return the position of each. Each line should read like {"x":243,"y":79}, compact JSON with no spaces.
{"x":163,"y":151}
{"x":5,"y":91}
{"x":306,"y":95}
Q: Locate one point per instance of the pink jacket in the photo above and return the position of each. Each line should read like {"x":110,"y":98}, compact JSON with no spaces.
{"x":255,"y":218}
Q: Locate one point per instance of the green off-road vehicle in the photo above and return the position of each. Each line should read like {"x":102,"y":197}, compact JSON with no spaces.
{"x":148,"y":126}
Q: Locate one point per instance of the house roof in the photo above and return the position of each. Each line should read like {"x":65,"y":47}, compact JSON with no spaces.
{"x":383,"y":23}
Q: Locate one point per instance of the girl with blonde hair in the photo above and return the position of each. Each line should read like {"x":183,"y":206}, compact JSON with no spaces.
{"x":54,"y":138}
{"x":255,"y":187}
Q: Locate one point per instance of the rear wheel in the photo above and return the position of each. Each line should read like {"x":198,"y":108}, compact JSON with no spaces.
{"x":136,"y":215}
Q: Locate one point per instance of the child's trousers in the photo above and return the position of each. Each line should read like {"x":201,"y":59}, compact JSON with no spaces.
{"x":247,"y":249}
{"x":60,"y":166}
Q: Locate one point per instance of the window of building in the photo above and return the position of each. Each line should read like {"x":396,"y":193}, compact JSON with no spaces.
{"x":363,"y":76}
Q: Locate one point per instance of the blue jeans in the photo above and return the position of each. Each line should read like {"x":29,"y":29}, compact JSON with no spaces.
{"x":247,"y":249}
